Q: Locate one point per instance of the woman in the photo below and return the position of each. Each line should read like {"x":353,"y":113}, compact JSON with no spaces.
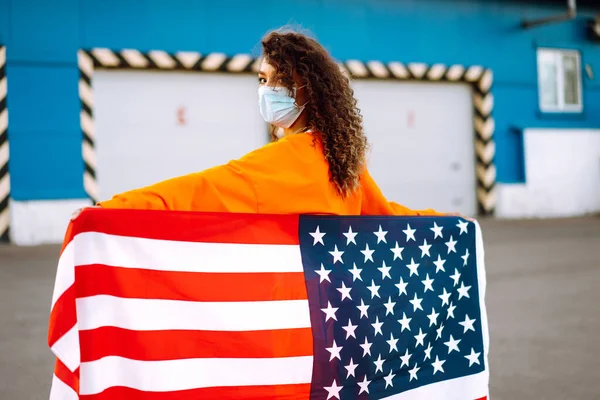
{"x":316,"y":162}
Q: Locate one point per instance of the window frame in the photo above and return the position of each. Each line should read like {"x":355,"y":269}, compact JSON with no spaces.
{"x":561,"y":107}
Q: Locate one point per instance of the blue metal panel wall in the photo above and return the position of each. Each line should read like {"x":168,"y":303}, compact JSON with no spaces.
{"x":42,"y":39}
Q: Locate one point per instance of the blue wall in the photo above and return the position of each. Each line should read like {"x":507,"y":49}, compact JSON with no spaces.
{"x":42,"y":40}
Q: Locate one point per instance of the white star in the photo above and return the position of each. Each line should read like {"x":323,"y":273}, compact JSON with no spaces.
{"x":439,"y":264}
{"x":393,"y":343}
{"x":356,"y":273}
{"x":351,"y":368}
{"x":428,"y":352}
{"x":413,"y":267}
{"x":335,"y":351}
{"x":428,"y":284}
{"x":437,"y":230}
{"x":389,"y":306}
{"x":374,"y":289}
{"x":363,"y":309}
{"x":405,"y":322}
{"x":410,"y":233}
{"x":416,"y":302}
{"x":405,"y":359}
{"x":451,"y":245}
{"x":345,"y":291}
{"x":377,"y":326}
{"x":445,"y":297}
{"x":397,"y":251}
{"x":452,"y":344}
{"x":433,"y":317}
{"x":451,"y":309}
{"x":366,"y":346}
{"x":437,"y":365}
{"x":364,"y":385}
{"x":323,"y":274}
{"x":413,"y":373}
{"x":350,"y":236}
{"x":425,"y":249}
{"x":468,"y":324}
{"x":378,"y":364}
{"x":380,"y":235}
{"x":350,"y":329}
{"x":333,"y":390}
{"x":329,"y":312}
{"x":463,"y":227}
{"x":318,"y":236}
{"x":463,"y":291}
{"x":385,"y":271}
{"x":473,"y":357}
{"x":368,"y":253}
{"x":388,"y":379}
{"x":465,"y":257}
{"x":402,"y":287}
{"x":420,"y":338}
{"x":337,"y":255}
{"x":439,"y":331}
{"x":456,"y":276}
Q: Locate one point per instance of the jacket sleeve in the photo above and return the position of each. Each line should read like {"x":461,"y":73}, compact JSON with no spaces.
{"x":374,"y":202}
{"x":225,"y":188}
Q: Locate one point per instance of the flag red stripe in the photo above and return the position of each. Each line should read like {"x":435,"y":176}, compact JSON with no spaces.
{"x":188,"y":286}
{"x":63,"y":373}
{"x":189,"y":226}
{"x":63,"y":316}
{"x":296,"y":392}
{"x":182,"y":344}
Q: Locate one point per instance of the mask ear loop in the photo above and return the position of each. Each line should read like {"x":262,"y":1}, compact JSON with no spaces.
{"x":295,"y":92}
{"x":306,"y":128}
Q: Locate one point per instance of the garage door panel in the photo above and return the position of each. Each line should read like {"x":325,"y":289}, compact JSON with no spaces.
{"x":421,"y":138}
{"x":154,"y":125}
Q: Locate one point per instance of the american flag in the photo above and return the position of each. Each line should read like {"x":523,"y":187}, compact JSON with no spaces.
{"x":177,"y":305}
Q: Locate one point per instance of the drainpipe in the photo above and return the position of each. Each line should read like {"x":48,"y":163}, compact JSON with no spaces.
{"x":567,"y":16}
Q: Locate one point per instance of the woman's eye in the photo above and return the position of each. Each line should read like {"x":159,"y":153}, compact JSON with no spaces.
{"x":262,"y":80}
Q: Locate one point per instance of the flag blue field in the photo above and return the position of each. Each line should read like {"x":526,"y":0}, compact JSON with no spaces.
{"x":394,"y":304}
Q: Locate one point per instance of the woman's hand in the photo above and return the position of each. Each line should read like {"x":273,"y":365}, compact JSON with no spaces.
{"x":78,"y":211}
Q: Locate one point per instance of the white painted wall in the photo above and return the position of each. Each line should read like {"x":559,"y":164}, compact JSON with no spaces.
{"x":155,"y":125}
{"x":422,"y":140}
{"x":41,"y":221}
{"x":562,"y":176}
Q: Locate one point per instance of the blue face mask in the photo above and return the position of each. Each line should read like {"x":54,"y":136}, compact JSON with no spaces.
{"x":277,"y":106}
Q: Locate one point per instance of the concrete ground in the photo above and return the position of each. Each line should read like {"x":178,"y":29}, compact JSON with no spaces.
{"x":543,"y":304}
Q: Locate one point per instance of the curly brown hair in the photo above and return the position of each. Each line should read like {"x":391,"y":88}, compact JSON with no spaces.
{"x":332,"y":110}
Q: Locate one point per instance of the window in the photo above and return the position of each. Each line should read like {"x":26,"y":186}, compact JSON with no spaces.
{"x":559,"y":80}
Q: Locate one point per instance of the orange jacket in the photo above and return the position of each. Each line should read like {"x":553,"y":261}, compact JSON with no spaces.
{"x":290,"y":176}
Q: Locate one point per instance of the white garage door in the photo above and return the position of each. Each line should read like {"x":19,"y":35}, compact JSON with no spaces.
{"x":422,"y":142}
{"x":153,"y":125}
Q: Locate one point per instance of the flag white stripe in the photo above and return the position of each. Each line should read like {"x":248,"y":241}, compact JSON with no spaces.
{"x":67,"y":348}
{"x":168,"y":255}
{"x":152,"y":314}
{"x":172,"y":375}
{"x":65,"y":273}
{"x":61,"y":391}
{"x":482,"y":283}
{"x":467,"y":387}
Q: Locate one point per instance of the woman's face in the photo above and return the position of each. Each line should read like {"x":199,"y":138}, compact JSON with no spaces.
{"x":266,"y":75}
